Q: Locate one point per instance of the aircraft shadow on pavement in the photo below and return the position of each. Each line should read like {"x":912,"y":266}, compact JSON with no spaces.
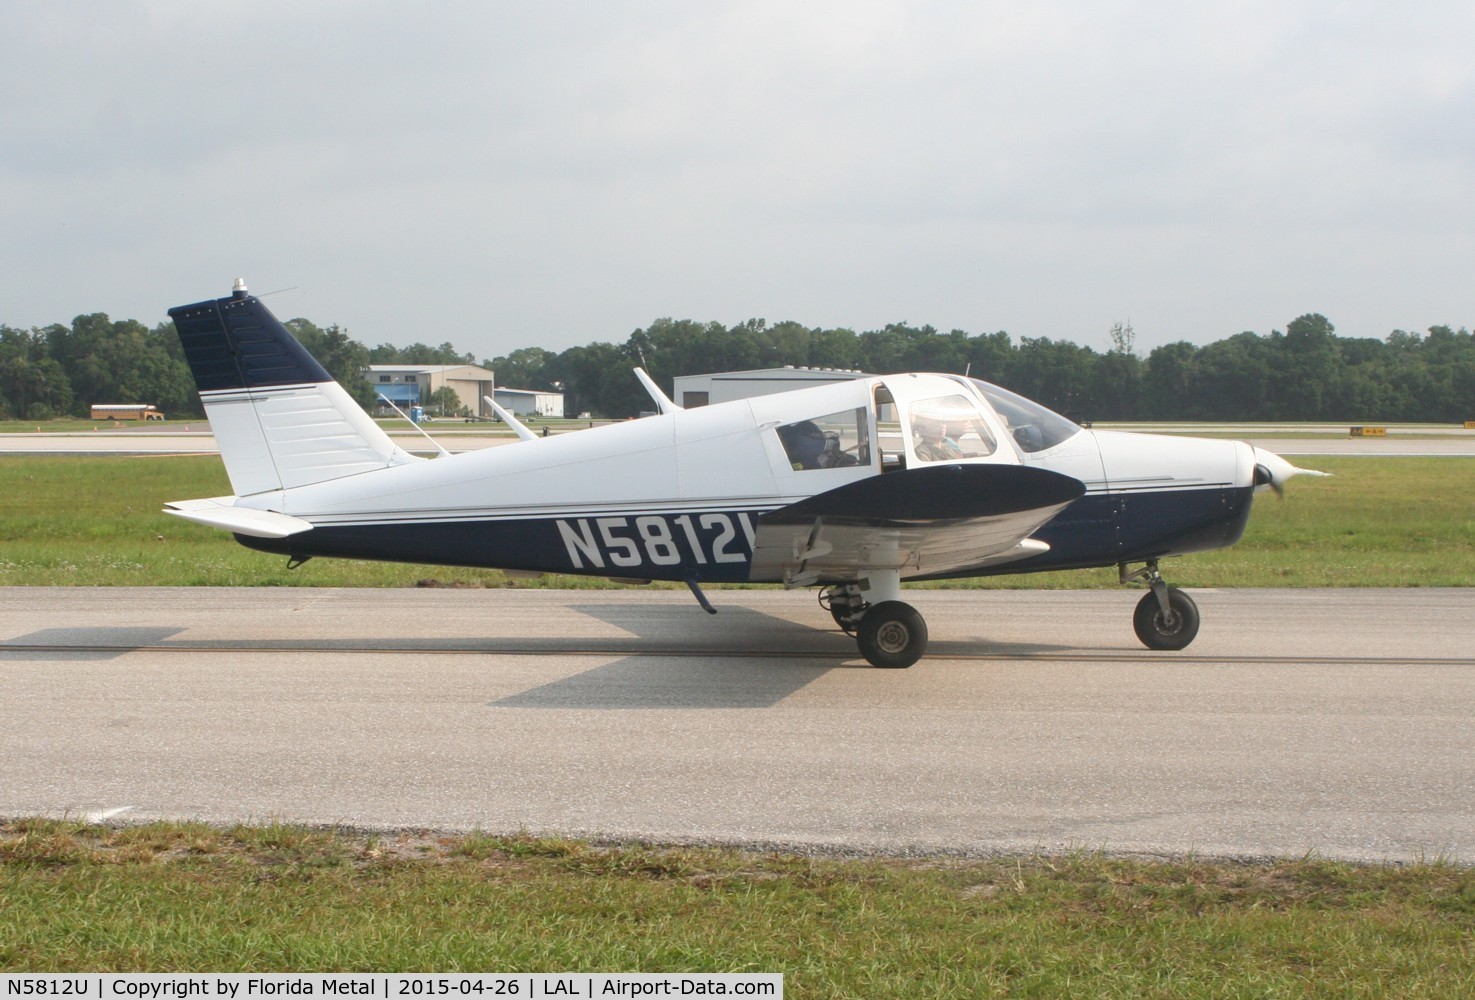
{"x":740,"y":631}
{"x":664,"y":682}
{"x":670,"y":657}
{"x":88,"y":643}
{"x":705,"y":661}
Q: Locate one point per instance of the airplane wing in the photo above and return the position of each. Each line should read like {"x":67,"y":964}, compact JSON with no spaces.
{"x":920,"y":521}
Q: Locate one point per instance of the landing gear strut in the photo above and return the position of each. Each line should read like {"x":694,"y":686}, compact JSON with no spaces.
{"x":846,"y":604}
{"x":889,"y":632}
{"x":1166,"y":617}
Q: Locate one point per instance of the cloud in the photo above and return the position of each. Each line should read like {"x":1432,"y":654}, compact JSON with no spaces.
{"x":503,"y":175}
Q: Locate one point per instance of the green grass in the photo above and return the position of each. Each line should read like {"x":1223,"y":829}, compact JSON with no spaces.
{"x":73,"y":520}
{"x":278,"y":898}
{"x":1377,"y":522}
{"x":69,"y":425}
{"x":97,"y":521}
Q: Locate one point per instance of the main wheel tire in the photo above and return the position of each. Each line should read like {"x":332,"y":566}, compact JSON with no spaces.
{"x":1158,"y":631}
{"x":892,"y":634}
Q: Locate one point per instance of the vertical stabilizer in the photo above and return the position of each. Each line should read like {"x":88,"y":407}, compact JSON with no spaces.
{"x":279,"y":418}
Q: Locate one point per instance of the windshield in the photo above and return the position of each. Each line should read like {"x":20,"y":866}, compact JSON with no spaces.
{"x":1033,"y":427}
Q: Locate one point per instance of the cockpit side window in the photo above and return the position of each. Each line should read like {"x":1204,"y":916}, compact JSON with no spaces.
{"x":831,"y":441}
{"x":948,"y":428}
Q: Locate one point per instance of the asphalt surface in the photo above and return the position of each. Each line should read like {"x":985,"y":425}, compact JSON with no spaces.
{"x":1328,"y":722}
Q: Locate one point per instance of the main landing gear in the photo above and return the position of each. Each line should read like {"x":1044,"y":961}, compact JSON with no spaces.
{"x":892,"y":633}
{"x":1166,"y":617}
{"x":889,"y":632}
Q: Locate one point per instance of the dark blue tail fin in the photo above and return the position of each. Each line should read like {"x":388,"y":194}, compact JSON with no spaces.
{"x":280,"y":419}
{"x":236,"y":343}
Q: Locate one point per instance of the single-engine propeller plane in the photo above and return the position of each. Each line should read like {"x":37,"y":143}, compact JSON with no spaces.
{"x":849,"y":487}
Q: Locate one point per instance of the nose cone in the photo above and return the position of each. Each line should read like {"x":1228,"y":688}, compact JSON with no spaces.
{"x":1273,"y":471}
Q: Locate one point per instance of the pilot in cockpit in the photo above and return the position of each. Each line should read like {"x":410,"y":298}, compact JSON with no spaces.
{"x":808,"y":446}
{"x":804,"y":442}
{"x":933,"y":443}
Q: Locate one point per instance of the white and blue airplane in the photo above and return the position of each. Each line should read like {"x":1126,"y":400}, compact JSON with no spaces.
{"x":850,"y":487}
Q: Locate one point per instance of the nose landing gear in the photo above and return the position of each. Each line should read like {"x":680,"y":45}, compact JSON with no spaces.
{"x":1166,"y":618}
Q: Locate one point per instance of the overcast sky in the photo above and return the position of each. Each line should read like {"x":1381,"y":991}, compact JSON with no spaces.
{"x":548,"y":174}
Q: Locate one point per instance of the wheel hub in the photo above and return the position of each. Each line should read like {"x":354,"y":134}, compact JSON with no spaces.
{"x":893,"y":637}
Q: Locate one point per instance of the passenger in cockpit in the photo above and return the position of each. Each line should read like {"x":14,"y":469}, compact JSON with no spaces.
{"x":803,"y":442}
{"x":933,"y":443}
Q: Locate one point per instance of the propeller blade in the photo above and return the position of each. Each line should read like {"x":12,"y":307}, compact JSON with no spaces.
{"x":1273,"y":471}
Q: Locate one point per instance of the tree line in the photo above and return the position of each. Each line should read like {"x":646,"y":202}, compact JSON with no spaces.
{"x":59,"y":370}
{"x":1306,"y":372}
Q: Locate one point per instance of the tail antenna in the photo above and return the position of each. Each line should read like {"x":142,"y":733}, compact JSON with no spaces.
{"x":518,"y":427}
{"x":417,"y":427}
{"x":662,"y":401}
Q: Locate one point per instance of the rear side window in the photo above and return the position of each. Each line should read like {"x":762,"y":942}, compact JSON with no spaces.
{"x":831,"y":441}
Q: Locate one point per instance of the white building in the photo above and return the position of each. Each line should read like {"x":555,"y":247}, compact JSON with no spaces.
{"x":720,"y":387}
{"x":530,"y":402}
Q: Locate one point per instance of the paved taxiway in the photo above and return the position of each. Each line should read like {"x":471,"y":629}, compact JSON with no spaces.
{"x":1339,"y":722}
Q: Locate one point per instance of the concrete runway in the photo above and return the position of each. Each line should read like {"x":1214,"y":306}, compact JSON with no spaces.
{"x":1336,"y":722}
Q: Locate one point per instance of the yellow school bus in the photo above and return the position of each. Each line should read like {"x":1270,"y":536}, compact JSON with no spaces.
{"x":125,"y":411}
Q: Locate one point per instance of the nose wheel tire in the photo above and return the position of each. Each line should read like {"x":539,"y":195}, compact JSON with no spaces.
{"x":892,"y":634}
{"x":1174,"y":630}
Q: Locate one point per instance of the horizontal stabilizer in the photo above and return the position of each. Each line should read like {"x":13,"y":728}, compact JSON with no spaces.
{"x":217,"y":513}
